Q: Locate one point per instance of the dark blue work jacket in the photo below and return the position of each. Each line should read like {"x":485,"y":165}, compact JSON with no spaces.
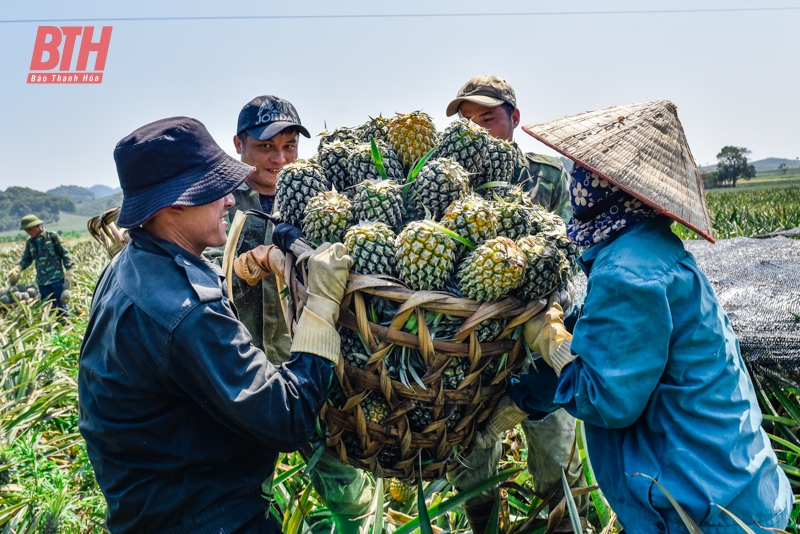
{"x":182,"y":416}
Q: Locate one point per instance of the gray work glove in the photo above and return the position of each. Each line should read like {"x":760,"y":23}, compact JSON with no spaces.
{"x":13,"y":275}
{"x":328,"y":270}
{"x":506,"y":415}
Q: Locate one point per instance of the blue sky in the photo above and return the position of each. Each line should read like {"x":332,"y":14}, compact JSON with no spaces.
{"x":734,"y":76}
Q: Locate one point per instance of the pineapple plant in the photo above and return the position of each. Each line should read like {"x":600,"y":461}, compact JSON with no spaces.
{"x":401,"y":492}
{"x":327,"y":216}
{"x":468,"y":144}
{"x":439,"y":183}
{"x":362,"y":166}
{"x":372,"y":246}
{"x":547,"y":267}
{"x":412,"y":135}
{"x":298,"y":182}
{"x":500,"y":164}
{"x":492,"y":270}
{"x":472,"y":218}
{"x":380,"y":201}
{"x":425,"y":256}
{"x":377,"y":128}
{"x":333,"y":157}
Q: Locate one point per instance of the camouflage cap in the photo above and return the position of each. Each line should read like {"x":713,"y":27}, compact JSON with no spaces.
{"x":486,"y":90}
{"x":29,"y":221}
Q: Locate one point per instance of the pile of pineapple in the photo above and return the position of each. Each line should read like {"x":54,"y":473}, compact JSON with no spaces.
{"x":438,"y":212}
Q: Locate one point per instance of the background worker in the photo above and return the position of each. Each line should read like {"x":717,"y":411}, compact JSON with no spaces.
{"x":178,"y":409}
{"x":46,"y":250}
{"x":267,"y":135}
{"x":490,"y":102}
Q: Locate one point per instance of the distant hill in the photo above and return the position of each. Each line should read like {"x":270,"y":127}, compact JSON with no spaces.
{"x":100,"y":205}
{"x":16,"y":202}
{"x":102,"y":191}
{"x":762,"y":165}
{"x":76,"y":193}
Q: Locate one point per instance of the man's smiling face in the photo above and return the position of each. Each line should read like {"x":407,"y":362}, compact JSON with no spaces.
{"x":268,"y":157}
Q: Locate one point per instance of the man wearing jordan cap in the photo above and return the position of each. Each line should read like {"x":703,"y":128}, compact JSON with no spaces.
{"x":652,"y":365}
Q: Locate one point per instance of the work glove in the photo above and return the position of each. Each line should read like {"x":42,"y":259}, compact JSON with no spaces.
{"x":255,"y":264}
{"x":13,"y":275}
{"x":284,"y":235}
{"x":545,"y":333}
{"x":506,"y":415}
{"x":328,"y":270}
{"x":65,"y":296}
{"x":69,"y":277}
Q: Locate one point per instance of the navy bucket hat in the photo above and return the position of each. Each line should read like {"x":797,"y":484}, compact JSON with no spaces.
{"x":172,"y":162}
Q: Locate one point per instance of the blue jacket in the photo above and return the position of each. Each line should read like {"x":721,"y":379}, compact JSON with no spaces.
{"x":182,"y":416}
{"x":663,"y":391}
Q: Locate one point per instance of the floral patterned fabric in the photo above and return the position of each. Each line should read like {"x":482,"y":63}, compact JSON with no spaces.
{"x":600,"y":209}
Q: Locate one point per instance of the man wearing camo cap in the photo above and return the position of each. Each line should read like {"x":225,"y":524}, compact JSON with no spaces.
{"x":490,"y":102}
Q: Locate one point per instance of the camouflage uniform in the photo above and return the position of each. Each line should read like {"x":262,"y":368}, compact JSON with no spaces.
{"x":346,"y":491}
{"x":549,"y":441}
{"x":47,"y":251}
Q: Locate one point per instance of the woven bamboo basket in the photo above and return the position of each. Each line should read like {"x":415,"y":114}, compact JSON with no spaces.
{"x":474,"y":398}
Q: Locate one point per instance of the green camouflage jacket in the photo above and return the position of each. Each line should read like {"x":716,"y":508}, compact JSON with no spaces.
{"x":546,"y":180}
{"x":259,"y":306}
{"x":49,"y":254}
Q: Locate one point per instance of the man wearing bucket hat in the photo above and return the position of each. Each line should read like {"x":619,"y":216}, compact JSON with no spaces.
{"x":652,"y":365}
{"x":267,"y":137}
{"x":183,"y":417}
{"x":46,"y":250}
{"x":491,"y":102}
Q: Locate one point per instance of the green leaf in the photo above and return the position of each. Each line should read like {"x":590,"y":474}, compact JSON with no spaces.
{"x":794,"y":448}
{"x":738,"y":521}
{"x":597,"y":496}
{"x":691,"y":526}
{"x":574,"y":517}
{"x":315,"y":458}
{"x":424,"y":518}
{"x":376,"y":157}
{"x":494,"y":516}
{"x":449,"y":233}
{"x":418,"y":167}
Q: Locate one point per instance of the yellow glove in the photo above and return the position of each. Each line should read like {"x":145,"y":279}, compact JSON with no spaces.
{"x":255,"y":264}
{"x":328,"y":270}
{"x":545,"y":334}
{"x":505,"y":416}
{"x":13,"y":275}
{"x":69,"y":277}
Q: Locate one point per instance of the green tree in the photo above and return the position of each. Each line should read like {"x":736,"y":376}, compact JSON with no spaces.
{"x":732,"y":165}
{"x":783,"y":168}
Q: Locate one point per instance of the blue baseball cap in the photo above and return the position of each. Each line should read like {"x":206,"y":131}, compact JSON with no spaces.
{"x":266,"y":116}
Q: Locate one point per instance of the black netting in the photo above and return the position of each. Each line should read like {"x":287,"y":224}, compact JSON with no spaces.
{"x":758,"y":283}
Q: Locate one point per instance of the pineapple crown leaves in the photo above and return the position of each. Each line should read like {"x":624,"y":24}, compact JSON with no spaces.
{"x":376,"y":157}
{"x":446,"y":231}
{"x":414,"y":173}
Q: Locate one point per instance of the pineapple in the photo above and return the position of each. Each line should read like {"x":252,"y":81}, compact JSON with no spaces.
{"x":372,"y":247}
{"x":492,"y":270}
{"x":425,"y":256}
{"x":455,"y":372}
{"x":340,"y":134}
{"x":467,"y":143}
{"x":380,"y":201}
{"x":298,"y":182}
{"x":51,"y":523}
{"x":375,"y":407}
{"x":412,"y":135}
{"x":377,"y":128}
{"x":327,"y":216}
{"x":439,"y":183}
{"x":362,"y":167}
{"x":501,"y":161}
{"x":333,"y":157}
{"x":353,"y":349}
{"x":547,"y":266}
{"x":421,"y":416}
{"x":6,"y":469}
{"x":558,"y":236}
{"x":473,"y":218}
{"x":400,"y":491}
{"x":515,"y":214}
{"x":389,"y":455}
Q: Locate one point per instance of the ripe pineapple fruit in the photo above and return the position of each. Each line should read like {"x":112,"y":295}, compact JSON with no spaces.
{"x":440,"y":182}
{"x":425,"y":256}
{"x":380,"y":201}
{"x":412,"y":135}
{"x":298,"y":182}
{"x":371,"y":244}
{"x":472,"y":217}
{"x":362,"y":167}
{"x":327,"y":216}
{"x":333,"y":158}
{"x":400,"y":491}
{"x":501,"y":161}
{"x":375,"y":407}
{"x":515,"y":216}
{"x":547,"y":266}
{"x":377,"y":128}
{"x":558,"y":236}
{"x":492,"y":270}
{"x":468,"y":144}
{"x":340,"y":134}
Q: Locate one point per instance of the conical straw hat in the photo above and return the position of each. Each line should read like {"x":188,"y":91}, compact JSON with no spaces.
{"x":642,"y":149}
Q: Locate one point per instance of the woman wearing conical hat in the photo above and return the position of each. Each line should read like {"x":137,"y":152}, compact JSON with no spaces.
{"x":652,"y":365}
